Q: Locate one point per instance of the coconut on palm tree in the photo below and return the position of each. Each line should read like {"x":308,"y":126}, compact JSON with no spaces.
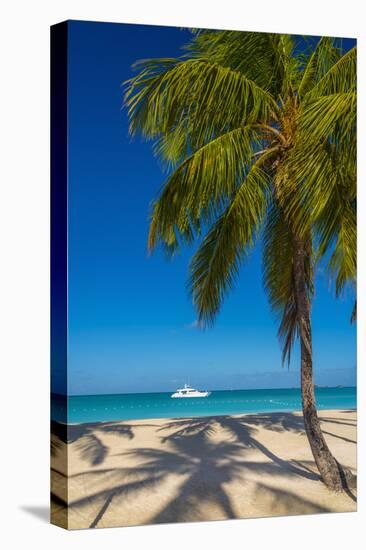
{"x":258,"y":135}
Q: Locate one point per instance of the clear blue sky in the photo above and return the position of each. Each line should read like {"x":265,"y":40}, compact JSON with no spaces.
{"x":131,"y":321}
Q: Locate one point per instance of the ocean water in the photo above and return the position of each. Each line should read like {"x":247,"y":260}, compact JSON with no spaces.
{"x":102,"y":408}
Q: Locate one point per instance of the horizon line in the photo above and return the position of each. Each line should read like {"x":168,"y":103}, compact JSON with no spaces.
{"x":316,"y":386}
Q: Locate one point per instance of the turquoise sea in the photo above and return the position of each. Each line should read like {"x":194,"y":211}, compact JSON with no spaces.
{"x":102,"y":408}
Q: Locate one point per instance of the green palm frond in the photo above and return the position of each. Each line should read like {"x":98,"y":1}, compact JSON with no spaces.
{"x":328,"y":115}
{"x":288,"y":331}
{"x":326,"y":202}
{"x":173,"y":147}
{"x":242,"y":121}
{"x":214,"y":268}
{"x":278,"y":276}
{"x":354,"y":313}
{"x":342,"y":263}
{"x":323,"y":162}
{"x":235,"y":49}
{"x":199,"y":189}
{"x":215,"y":97}
{"x":319,"y":63}
{"x":323,"y":116}
{"x":138,"y":91}
{"x":340,"y":78}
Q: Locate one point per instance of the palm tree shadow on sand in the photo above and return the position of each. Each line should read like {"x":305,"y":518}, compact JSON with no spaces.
{"x":205,"y":467}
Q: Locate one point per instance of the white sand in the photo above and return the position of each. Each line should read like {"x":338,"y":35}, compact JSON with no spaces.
{"x":153,"y":471}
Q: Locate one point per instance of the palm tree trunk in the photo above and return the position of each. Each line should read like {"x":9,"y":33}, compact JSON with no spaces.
{"x":328,"y":467}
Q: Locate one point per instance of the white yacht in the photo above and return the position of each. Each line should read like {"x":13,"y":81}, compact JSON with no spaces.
{"x":188,"y":391}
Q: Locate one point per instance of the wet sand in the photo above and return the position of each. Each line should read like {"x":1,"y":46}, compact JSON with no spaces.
{"x":195,"y":469}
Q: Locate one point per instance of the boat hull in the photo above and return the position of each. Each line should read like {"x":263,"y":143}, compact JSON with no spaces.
{"x":190,"y":395}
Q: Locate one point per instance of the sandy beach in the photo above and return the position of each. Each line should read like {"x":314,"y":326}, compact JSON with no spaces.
{"x":195,"y":469}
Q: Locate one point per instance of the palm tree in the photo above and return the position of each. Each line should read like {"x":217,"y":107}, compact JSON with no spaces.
{"x":257,"y":132}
